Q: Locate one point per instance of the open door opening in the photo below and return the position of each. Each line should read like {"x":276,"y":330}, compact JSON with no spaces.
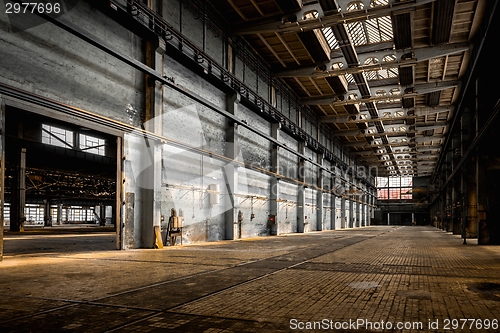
{"x":60,"y":186}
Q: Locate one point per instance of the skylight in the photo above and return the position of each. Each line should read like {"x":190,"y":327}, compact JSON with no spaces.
{"x":381,"y":73}
{"x":330,"y":38}
{"x":372,"y":31}
{"x":350,"y":78}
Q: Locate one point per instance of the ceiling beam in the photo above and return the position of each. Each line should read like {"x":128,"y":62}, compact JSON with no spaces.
{"x":323,"y":21}
{"x":407,"y":57}
{"x":349,"y":120}
{"x":425,"y":111}
{"x":285,"y":44}
{"x":345,"y":99}
{"x":361,"y":144}
{"x":237,"y":9}
{"x":431,"y":127}
{"x":257,"y":7}
{"x":367,"y":153}
{"x":271,"y":49}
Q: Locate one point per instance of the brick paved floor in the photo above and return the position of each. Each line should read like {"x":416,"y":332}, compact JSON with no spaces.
{"x":358,"y":280}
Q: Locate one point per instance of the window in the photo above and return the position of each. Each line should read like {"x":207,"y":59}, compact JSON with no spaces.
{"x":60,"y":137}
{"x":92,"y":145}
{"x":57,"y":136}
{"x":80,"y":214}
{"x":383,"y":194}
{"x":394,"y":188}
{"x":34,"y":214}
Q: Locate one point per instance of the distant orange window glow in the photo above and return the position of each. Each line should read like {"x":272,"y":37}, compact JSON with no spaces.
{"x":394,"y":188}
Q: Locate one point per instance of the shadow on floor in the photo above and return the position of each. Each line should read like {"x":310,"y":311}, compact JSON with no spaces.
{"x":59,"y":239}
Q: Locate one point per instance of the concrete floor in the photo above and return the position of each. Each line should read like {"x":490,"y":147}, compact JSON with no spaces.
{"x":416,"y":277}
{"x":59,"y":239}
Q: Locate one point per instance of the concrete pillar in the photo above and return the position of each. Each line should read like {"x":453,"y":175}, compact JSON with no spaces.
{"x":350,"y":223}
{"x":482,"y":197}
{"x":301,"y":197}
{"x":368,"y":206}
{"x":373,"y":192}
{"x":358,"y":208}
{"x":18,"y":201}
{"x":319,"y":200}
{"x":47,"y":217}
{"x":113,"y":214}
{"x":59,"y":214}
{"x":102,"y":215}
{"x":343,"y":215}
{"x":118,"y":210}
{"x":455,"y":194}
{"x":149,"y":185}
{"x":232,"y":227}
{"x":363,"y":209}
{"x":128,"y":230}
{"x":449,"y":204}
{"x":2,"y":171}
{"x":468,"y":180}
{"x":333,"y":204}
{"x":275,"y":190}
{"x":157,"y":104}
{"x":455,"y":154}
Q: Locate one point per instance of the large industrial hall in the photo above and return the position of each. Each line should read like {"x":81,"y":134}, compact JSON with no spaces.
{"x":249,"y":166}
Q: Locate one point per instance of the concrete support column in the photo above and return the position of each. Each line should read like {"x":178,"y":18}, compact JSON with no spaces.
{"x":333,"y":204}
{"x":47,"y":217}
{"x":59,"y":214}
{"x":155,"y":50}
{"x":468,"y":179}
{"x":455,"y":154}
{"x":2,"y":171}
{"x":18,"y":204}
{"x":102,"y":215}
{"x":367,"y":207}
{"x":301,"y":197}
{"x":232,"y":227}
{"x":350,"y":223}
{"x":148,"y":184}
{"x":449,"y":204}
{"x":372,"y":205}
{"x":358,"y":207}
{"x":363,"y":209}
{"x":482,"y":197}
{"x":275,"y":190}
{"x":455,"y":217}
{"x":441,"y":210}
{"x":319,"y":200}
{"x":157,"y":104}
{"x":343,"y":216}
{"x":119,"y":205}
{"x":369,"y":211}
{"x":469,"y":219}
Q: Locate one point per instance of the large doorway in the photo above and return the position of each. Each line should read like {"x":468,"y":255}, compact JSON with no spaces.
{"x":60,"y":186}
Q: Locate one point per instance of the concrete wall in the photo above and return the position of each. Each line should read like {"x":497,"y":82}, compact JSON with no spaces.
{"x":48,"y":61}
